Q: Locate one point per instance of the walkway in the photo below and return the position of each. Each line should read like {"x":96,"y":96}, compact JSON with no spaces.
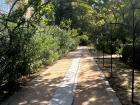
{"x":92,"y":88}
{"x":65,"y":92}
{"x":56,"y":85}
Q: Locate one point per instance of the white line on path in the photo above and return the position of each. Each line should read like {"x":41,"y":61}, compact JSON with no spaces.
{"x":65,"y":92}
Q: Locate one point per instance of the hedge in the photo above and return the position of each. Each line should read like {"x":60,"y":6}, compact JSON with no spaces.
{"x":26,"y":51}
{"x":127,"y":55}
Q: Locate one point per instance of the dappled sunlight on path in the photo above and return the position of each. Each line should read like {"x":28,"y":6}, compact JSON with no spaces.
{"x":90,"y":88}
{"x":59,"y":81}
{"x":40,"y":90}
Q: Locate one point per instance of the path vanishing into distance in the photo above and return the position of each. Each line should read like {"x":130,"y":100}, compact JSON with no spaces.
{"x":73,"y":80}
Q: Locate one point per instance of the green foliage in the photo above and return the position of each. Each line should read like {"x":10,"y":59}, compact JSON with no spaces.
{"x":84,"y":39}
{"x":127,"y":55}
{"x":48,"y":12}
{"x":48,"y":46}
{"x":29,"y":43}
{"x":65,"y":24}
{"x":28,"y":52}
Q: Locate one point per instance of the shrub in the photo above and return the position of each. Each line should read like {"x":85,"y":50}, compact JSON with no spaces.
{"x":107,"y":47}
{"x":48,"y":46}
{"x":84,"y":39}
{"x":127,"y":55}
{"x":26,"y":51}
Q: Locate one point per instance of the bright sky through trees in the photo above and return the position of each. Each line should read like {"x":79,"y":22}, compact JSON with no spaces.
{"x":4,"y":7}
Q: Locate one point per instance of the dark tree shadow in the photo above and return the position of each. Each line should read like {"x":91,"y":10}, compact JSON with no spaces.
{"x":35,"y":92}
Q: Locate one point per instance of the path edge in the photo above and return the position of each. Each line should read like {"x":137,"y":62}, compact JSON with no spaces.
{"x":111,"y":93}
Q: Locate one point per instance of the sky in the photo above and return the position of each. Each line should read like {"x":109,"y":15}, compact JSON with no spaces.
{"x":3,"y":6}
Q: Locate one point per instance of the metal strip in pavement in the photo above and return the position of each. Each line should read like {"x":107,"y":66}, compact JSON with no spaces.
{"x":65,"y":92}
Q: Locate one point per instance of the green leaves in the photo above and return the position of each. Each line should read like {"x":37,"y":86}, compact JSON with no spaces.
{"x":46,"y":47}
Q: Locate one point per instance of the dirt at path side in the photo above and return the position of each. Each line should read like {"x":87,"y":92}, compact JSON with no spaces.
{"x":90,"y":88}
{"x":40,"y":90}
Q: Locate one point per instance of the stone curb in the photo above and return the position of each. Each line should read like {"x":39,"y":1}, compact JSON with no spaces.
{"x":113,"y":98}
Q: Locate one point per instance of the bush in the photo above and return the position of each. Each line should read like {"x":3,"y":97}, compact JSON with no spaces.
{"x":107,"y":47}
{"x":127,"y":55}
{"x":26,"y":51}
{"x":84,"y":39}
{"x":27,"y":44}
{"x":48,"y":46}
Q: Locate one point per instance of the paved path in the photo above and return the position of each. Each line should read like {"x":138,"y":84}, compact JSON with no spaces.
{"x":57,"y":85}
{"x":92,"y":88}
{"x":40,"y":90}
{"x":65,"y":92}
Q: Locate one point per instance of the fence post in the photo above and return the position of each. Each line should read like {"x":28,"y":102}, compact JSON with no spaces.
{"x":111,"y":54}
{"x":133,"y":32}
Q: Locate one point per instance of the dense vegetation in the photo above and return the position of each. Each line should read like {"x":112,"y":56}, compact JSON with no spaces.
{"x":118,"y":28}
{"x":37,"y":33}
{"x":30,"y":39}
{"x":29,"y":43}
